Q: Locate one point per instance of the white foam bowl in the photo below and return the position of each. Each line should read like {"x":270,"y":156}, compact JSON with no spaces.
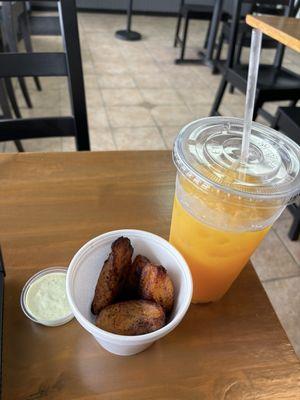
{"x":83,"y":273}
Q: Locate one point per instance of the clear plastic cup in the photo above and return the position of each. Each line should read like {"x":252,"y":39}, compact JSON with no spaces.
{"x":222,"y":208}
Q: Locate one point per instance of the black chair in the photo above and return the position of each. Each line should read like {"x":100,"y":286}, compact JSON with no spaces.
{"x":275,"y":83}
{"x":9,"y":21}
{"x":287,"y":120}
{"x":244,"y":30}
{"x":14,"y":22}
{"x":8,"y":93}
{"x":188,"y":12}
{"x":66,"y":63}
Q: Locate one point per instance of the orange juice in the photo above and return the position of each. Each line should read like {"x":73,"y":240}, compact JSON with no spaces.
{"x":215,"y":256}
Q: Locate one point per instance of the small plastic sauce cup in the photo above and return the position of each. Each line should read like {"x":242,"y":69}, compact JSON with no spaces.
{"x":26,"y":290}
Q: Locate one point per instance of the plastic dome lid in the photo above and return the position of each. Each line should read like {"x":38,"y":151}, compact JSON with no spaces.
{"x":207,"y":151}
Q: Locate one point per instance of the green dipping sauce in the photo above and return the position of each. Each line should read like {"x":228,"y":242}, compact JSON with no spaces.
{"x":46,"y":298}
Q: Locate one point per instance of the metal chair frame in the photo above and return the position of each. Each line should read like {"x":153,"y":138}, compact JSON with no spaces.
{"x":67,"y":63}
{"x":275,"y":83}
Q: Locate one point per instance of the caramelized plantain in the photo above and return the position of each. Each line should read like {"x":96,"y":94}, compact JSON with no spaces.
{"x":133,"y":317}
{"x":156,"y":285}
{"x":113,"y":274}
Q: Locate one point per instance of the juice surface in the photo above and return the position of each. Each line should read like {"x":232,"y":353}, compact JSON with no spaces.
{"x":215,"y":257}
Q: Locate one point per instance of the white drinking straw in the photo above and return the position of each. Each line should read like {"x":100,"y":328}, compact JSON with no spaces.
{"x":251,"y":91}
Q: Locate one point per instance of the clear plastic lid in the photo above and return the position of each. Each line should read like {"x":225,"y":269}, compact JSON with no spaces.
{"x":207,"y":151}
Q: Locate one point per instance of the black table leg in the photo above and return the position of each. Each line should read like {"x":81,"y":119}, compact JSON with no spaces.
{"x":128,"y":34}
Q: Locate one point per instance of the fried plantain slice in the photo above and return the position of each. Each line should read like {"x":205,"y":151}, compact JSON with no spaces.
{"x":133,"y":317}
{"x":156,"y":285}
{"x":113,"y":274}
{"x":130,"y":290}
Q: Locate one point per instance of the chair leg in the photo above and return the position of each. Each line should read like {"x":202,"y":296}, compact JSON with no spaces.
{"x":239,"y":51}
{"x":257,"y":105}
{"x":10,"y":42}
{"x":37,"y":83}
{"x":220,"y":47}
{"x":12,"y":97}
{"x":237,"y":57}
{"x":219,"y":97}
{"x":177,"y":30}
{"x":207,"y":34}
{"x":25,"y":92}
{"x":274,"y":124}
{"x":294,"y":231}
{"x":19,"y":146}
{"x":6,"y":110}
{"x":185,"y":32}
{"x":293,"y":103}
{"x":218,"y":53}
{"x":4,"y":101}
{"x":25,"y":29}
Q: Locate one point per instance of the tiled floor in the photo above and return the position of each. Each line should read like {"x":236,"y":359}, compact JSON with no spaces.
{"x":138,"y":99}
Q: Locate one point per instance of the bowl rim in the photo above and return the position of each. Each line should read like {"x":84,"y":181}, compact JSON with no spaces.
{"x":112,"y":337}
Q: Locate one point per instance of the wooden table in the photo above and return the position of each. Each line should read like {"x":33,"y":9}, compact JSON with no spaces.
{"x":283,"y":29}
{"x":51,"y":204}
